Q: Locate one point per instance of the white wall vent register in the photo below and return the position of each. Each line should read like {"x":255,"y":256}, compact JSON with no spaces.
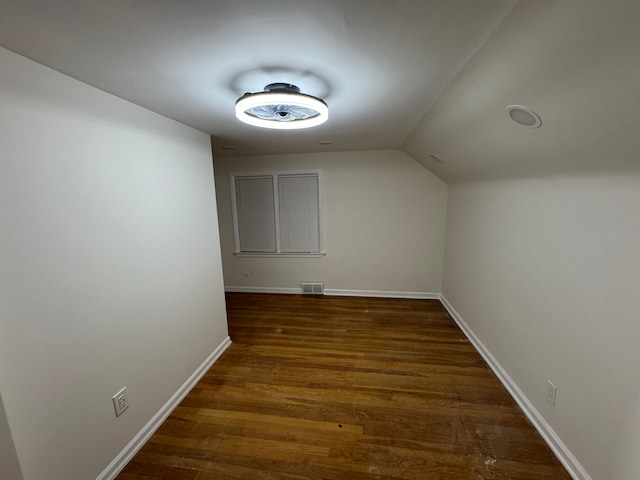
{"x":312,"y":288}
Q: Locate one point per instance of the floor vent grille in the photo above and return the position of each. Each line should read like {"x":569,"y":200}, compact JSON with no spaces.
{"x":312,"y":288}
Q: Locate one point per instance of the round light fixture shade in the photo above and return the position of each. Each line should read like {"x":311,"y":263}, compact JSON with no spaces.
{"x":281,"y":106}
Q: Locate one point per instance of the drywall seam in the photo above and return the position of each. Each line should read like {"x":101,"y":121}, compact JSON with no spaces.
{"x":561,"y":451}
{"x":338,"y":292}
{"x":137,"y":442}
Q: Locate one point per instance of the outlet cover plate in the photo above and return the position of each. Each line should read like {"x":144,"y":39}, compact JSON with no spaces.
{"x":120,"y":401}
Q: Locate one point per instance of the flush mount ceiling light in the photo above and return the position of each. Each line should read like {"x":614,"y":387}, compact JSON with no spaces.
{"x":281,"y":106}
{"x":524,"y":116}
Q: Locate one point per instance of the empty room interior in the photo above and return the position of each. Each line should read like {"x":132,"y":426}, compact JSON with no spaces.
{"x":320,"y":239}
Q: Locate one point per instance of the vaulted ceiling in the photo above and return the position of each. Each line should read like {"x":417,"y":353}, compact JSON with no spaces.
{"x":432,"y":77}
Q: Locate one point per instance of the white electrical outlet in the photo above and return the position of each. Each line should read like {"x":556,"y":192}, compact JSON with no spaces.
{"x":551,"y":392}
{"x":247,"y":274}
{"x":120,"y":401}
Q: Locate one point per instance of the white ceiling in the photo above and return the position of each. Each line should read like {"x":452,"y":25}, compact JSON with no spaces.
{"x":379,"y":64}
{"x":425,"y":76}
{"x":576,"y":63}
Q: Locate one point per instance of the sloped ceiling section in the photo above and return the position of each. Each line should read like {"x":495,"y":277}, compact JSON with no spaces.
{"x":576,"y":63}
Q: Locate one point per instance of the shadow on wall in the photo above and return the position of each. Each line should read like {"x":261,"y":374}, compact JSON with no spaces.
{"x":9,"y":465}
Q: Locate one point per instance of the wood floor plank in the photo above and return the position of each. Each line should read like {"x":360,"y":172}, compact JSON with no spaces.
{"x":332,"y":388}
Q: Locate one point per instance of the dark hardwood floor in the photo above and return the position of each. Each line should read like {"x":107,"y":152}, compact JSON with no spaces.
{"x":345,"y":388}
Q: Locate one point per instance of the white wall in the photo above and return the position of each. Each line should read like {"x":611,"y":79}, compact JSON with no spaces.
{"x":9,"y":465}
{"x":110,"y":267}
{"x":384,"y":224}
{"x":546,"y":272}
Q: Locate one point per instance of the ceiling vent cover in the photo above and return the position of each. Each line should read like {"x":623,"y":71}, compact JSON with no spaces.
{"x":524,"y":116}
{"x":312,"y":288}
{"x":281,"y":106}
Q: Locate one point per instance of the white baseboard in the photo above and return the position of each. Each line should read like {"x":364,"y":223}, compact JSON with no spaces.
{"x":382,"y":294}
{"x":338,"y":292}
{"x":568,"y":460}
{"x":129,"y":451}
{"x":294,"y":291}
